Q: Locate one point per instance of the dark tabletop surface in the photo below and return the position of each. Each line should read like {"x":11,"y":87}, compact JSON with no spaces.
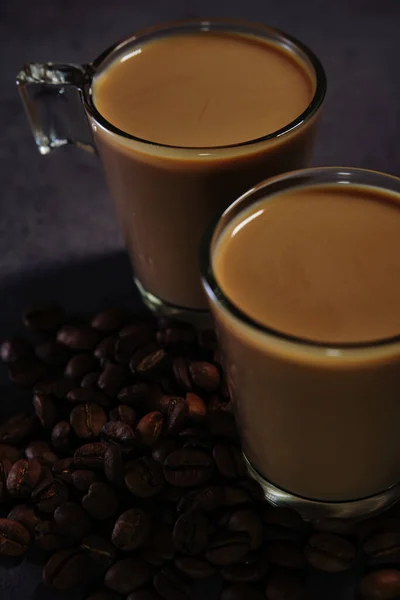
{"x":58,"y":234}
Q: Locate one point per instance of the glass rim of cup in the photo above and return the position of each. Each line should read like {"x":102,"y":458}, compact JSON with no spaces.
{"x":202,"y":24}
{"x":294,"y":179}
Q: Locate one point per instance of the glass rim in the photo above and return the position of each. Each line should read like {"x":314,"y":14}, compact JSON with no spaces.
{"x":202,"y":24}
{"x":280,"y":183}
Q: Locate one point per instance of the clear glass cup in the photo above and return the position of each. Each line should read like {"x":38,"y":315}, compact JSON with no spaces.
{"x":311,"y":416}
{"x":166,"y":196}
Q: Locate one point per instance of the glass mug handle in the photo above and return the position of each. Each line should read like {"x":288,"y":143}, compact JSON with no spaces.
{"x":52,"y":98}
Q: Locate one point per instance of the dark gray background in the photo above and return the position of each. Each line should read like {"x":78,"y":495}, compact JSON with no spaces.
{"x":58,"y":234}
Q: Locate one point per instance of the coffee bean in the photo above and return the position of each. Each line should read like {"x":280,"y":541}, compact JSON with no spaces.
{"x":134,"y":394}
{"x":174,"y":409}
{"x":205,"y":499}
{"x":14,"y":538}
{"x":87,"y":420}
{"x":26,"y":515}
{"x":44,"y":409}
{"x":100,"y":551}
{"x":104,"y":595}
{"x":57,"y":387}
{"x":42,"y":452}
{"x":228,"y":548}
{"x":78,"y":338}
{"x":382,"y":548}
{"x":27,"y":371}
{"x":282,"y":524}
{"x":10,"y":453}
{"x":72,"y":521}
{"x":52,"y":353}
{"x":91,"y":456}
{"x":131,"y":529}
{"x":127,"y":575}
{"x":162,"y":449}
{"x":241,"y":591}
{"x":205,"y":376}
{"x":149,"y":428}
{"x":216,"y":403}
{"x":345,"y":527}
{"x":330,"y":553}
{"x":194,"y":567}
{"x":63,"y":469}
{"x":113,"y":378}
{"x":172,"y":584}
{"x":286,"y":554}
{"x":177,"y":337}
{"x":45,"y":318}
{"x":14,"y":349}
{"x":145,"y":478}
{"x":246,"y":520}
{"x":159,"y":546}
{"x":83,"y":479}
{"x":130,"y":339}
{"x":124,"y":413}
{"x":16,"y":428}
{"x":114,"y":466}
{"x":5,"y":468}
{"x":101,"y":501}
{"x":378,"y":524}
{"x":181,"y":373}
{"x":89,"y":381}
{"x":81,"y":395}
{"x":120,"y":433}
{"x":23,"y":477}
{"x":152,"y":366}
{"x":196,"y":409}
{"x":110,"y":319}
{"x":49,"y":494}
{"x":383,"y":584}
{"x":188,"y":468}
{"x":229,"y":461}
{"x":285,"y":585}
{"x":190,"y":534}
{"x":253,"y":488}
{"x":65,"y":570}
{"x":48,"y":539}
{"x":251,"y":571}
{"x":61,"y":436}
{"x":80,"y":365}
{"x":235,"y":496}
{"x":144,"y":595}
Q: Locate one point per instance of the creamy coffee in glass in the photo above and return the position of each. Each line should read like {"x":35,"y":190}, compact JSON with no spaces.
{"x":303,"y":278}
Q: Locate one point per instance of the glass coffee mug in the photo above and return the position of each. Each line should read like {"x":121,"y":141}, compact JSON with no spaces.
{"x":312,"y":354}
{"x":166,"y":193}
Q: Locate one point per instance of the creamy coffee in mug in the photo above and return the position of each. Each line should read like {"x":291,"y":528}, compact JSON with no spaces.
{"x":185,"y":118}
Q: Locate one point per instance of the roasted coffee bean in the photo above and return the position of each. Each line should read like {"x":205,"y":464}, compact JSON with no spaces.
{"x":144,"y":595}
{"x":110,"y":319}
{"x":383,"y":584}
{"x":191,"y":533}
{"x":227,"y":549}
{"x":52,"y":353}
{"x":114,"y":466}
{"x":104,"y":595}
{"x":127,"y":575}
{"x":14,"y":538}
{"x":329,"y":552}
{"x":61,"y":436}
{"x":63,"y":469}
{"x":159,"y":546}
{"x":27,"y":371}
{"x":134,"y":394}
{"x":26,"y":515}
{"x":241,"y":591}
{"x":44,"y":318}
{"x":131,"y":529}
{"x":89,"y":381}
{"x":172,"y":584}
{"x":83,"y":479}
{"x":82,"y":395}
{"x":251,"y":571}
{"x":42,"y":452}
{"x":16,"y":428}
{"x":196,"y":409}
{"x":282,"y":524}
{"x":205,"y":376}
{"x":45,"y":410}
{"x":216,"y":403}
{"x":14,"y":349}
{"x":113,"y":379}
{"x":78,"y":338}
{"x":152,"y":366}
{"x":99,"y":550}
{"x":285,"y":585}
{"x":5,"y":468}
{"x":286,"y":554}
{"x":382,"y":548}
{"x":346,"y":527}
{"x":49,"y":494}
{"x":194,"y":567}
{"x":80,"y":365}
{"x":145,"y":477}
{"x":229,"y":461}
{"x":65,"y":570}
{"x":163,"y":448}
{"x":101,"y":501}
{"x":48,"y":539}
{"x":10,"y":453}
{"x":87,"y":420}
{"x":235,"y":496}
{"x":149,"y":428}
{"x":253,"y":488}
{"x":72,"y":521}
{"x":23,"y":478}
{"x":181,"y":373}
{"x":124,"y":413}
{"x":205,"y":499}
{"x":90,"y":456}
{"x":118,"y":432}
{"x":176,"y":337}
{"x":188,"y":468}
{"x":57,"y":387}
{"x":174,"y":409}
{"x":249,"y":522}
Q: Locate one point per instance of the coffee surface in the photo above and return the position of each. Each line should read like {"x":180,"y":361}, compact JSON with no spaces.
{"x":203,"y":89}
{"x":320,"y":263}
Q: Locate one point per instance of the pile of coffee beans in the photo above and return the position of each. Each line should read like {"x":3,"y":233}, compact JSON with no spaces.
{"x":127,"y":477}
